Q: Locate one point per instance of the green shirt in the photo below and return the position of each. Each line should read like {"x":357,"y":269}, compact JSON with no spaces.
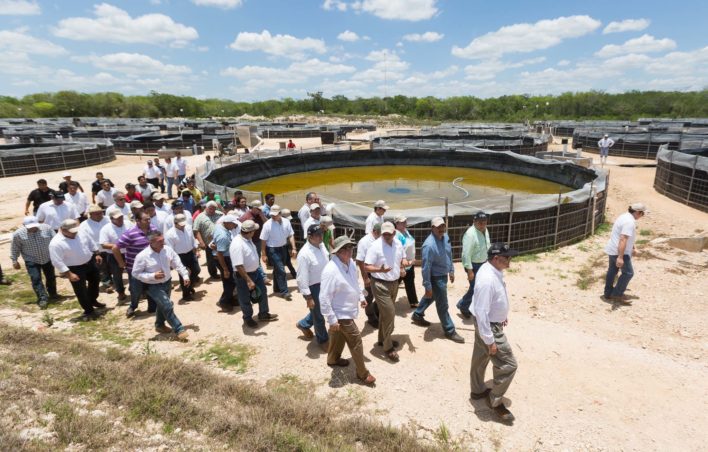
{"x":474,"y":247}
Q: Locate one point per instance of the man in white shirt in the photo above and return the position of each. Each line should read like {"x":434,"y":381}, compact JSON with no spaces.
{"x":311,"y":261}
{"x":340,"y":297}
{"x":119,"y":205}
{"x":181,"y":239}
{"x":304,"y":212}
{"x":170,"y":174}
{"x":250,"y":285}
{"x":158,"y":199}
{"x":605,"y":144}
{"x":153,"y":267}
{"x":490,"y":306}
{"x":385,"y":262}
{"x":144,"y":188}
{"x":157,"y":217}
{"x":372,"y":311}
{"x":55,"y":211}
{"x":315,"y":213}
{"x":108,"y":237}
{"x":104,"y":197}
{"x":75,"y":256}
{"x":92,"y":227}
{"x":152,"y":174}
{"x":77,"y":198}
{"x":275,"y":235}
{"x":620,"y":250}
{"x":377,"y":216}
{"x":181,"y":167}
{"x":177,"y":208}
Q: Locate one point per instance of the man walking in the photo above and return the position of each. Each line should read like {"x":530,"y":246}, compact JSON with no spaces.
{"x":152,"y":268}
{"x":92,"y":227}
{"x":377,"y":216}
{"x":437,"y":265}
{"x":54,"y":212}
{"x":275,"y":236}
{"x":620,"y":250}
{"x":171,"y":174}
{"x":361,"y":249}
{"x":304,"y":212}
{"x":340,"y":297}
{"x":77,"y":198}
{"x":152,"y":174}
{"x":605,"y":144}
{"x":475,"y":244}
{"x":181,"y":239}
{"x":407,"y":240}
{"x":203,"y":228}
{"x":223,"y":236}
{"x":108,"y":237}
{"x":31,"y":241}
{"x":490,"y":305}
{"x":38,"y":196}
{"x":311,"y":261}
{"x":314,"y":218}
{"x":104,"y":197}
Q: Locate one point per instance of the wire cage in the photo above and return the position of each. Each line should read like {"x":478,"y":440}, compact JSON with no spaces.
{"x":683,"y":176}
{"x":16,"y":160}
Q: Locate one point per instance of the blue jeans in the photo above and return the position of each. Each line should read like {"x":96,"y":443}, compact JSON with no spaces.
{"x":440,"y":297}
{"x":160,"y":292}
{"x":35,"y":273}
{"x":244,"y":295}
{"x":136,"y":291}
{"x":622,"y":281}
{"x":466,"y":300}
{"x":277,"y":257}
{"x":170,"y":183}
{"x":315,"y":318}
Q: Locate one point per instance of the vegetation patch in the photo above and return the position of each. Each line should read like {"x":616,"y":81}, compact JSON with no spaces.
{"x":228,"y":355}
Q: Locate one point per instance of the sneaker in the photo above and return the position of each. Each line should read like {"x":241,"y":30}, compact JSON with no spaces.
{"x":419,"y":320}
{"x":480,"y":395}
{"x":163,"y":329}
{"x":42,"y":304}
{"x":182,"y":336}
{"x":456,"y":338}
{"x":305,"y":331}
{"x":250,"y":323}
{"x":268,"y":317}
{"x":130,"y":312}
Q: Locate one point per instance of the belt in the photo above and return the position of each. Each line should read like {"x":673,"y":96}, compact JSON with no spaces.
{"x":385,"y":280}
{"x":275,"y":247}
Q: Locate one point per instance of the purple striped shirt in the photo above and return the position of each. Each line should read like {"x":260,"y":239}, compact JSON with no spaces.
{"x":134,"y":240}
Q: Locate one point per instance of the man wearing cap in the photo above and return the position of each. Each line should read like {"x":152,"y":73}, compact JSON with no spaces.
{"x":135,"y":208}
{"x":92,"y":227}
{"x":361,"y":249}
{"x":75,"y":256}
{"x":311,"y":261}
{"x":177,"y":208}
{"x":245,"y":261}
{"x":254,"y":213}
{"x":314,"y":218}
{"x":144,"y":188}
{"x":120,"y":204}
{"x":158,"y":200}
{"x":287,"y":217}
{"x":133,"y":241}
{"x":437,"y":266}
{"x":181,"y":239}
{"x":377,"y":216}
{"x":104,"y":197}
{"x":340,"y":297}
{"x":131,"y":194}
{"x":152,"y":268}
{"x":152,"y":174}
{"x":605,"y":144}
{"x":55,"y":211}
{"x":31,"y":241}
{"x":189,"y":204}
{"x":274,"y":237}
{"x":304,"y":212}
{"x":97,"y":186}
{"x":64,"y":185}
{"x":407,"y":240}
{"x":475,"y":244}
{"x":384,"y":261}
{"x":490,"y":306}
{"x":203,"y":228}
{"x":224,"y":232}
{"x":38,"y":196}
{"x":108,"y":237}
{"x":78,"y":199}
{"x":620,"y":250}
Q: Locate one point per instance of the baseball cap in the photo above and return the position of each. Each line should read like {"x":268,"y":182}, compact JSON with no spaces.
{"x":314,"y":229}
{"x":387,"y":228}
{"x":638,"y":207}
{"x":30,"y":222}
{"x":341,"y":242}
{"x":180,"y":219}
{"x":274,"y":210}
{"x":249,"y":226}
{"x":66,"y":174}
{"x":437,"y":221}
{"x":377,"y":227}
{"x":93,"y":208}
{"x":285,"y":213}
{"x":136,"y":204}
{"x":229,"y":219}
{"x":116,"y":214}
{"x":480,"y":216}
{"x":314,"y":206}
{"x":400,"y":219}
{"x":58,"y":195}
{"x":256,"y":204}
{"x":70,"y":225}
{"x":159,"y":196}
{"x":501,"y":249}
{"x":177,"y":204}
{"x":381,"y":203}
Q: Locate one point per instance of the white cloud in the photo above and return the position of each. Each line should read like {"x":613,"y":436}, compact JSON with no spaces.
{"x":296,"y":72}
{"x":643,"y":44}
{"x":113,"y":24}
{"x":334,"y":4}
{"x":223,"y":4}
{"x":563,"y":63}
{"x":348,"y":36}
{"x":626,"y":25}
{"x":19,"y":41}
{"x":19,"y":8}
{"x":428,"y":36}
{"x":134,"y":64}
{"x":489,"y":69}
{"x":680,"y":63}
{"x":279,"y":45}
{"x":526,"y":37}
{"x":314,"y":67}
{"x":387,"y":65}
{"x":411,"y":10}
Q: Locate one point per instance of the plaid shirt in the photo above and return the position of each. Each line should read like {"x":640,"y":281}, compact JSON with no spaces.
{"x":33,"y":247}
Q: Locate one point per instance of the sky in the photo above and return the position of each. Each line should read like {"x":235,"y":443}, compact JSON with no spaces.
{"x":250,"y":50}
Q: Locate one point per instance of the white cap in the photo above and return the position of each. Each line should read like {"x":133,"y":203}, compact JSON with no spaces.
{"x":229,"y":219}
{"x":93,"y":208}
{"x":115,"y":214}
{"x":66,"y":174}
{"x":388,"y":228}
{"x":30,"y":222}
{"x":274,"y":210}
{"x":180,"y":219}
{"x":70,"y":225}
{"x":437,"y":221}
{"x":638,"y":207}
{"x":314,"y":206}
{"x":380,"y":204}
{"x":285,"y":213}
{"x":256,"y":204}
{"x":249,"y":225}
{"x":400,"y":219}
{"x":135,"y":204}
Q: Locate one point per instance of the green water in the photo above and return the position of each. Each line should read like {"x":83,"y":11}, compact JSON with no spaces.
{"x":400,"y":186}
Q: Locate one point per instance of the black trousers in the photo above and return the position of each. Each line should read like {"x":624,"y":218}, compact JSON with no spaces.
{"x":212,"y":263}
{"x":371,"y":310}
{"x":155,"y":182}
{"x":189,"y":260}
{"x":86,"y":288}
{"x":228,"y":284}
{"x":409,"y":282}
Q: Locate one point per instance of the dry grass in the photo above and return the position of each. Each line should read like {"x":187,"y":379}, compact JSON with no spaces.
{"x":46,"y":373}
{"x":586,"y":274}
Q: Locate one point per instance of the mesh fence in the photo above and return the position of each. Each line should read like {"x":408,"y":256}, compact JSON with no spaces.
{"x":23,"y":160}
{"x":639,"y":143}
{"x":683,"y":177}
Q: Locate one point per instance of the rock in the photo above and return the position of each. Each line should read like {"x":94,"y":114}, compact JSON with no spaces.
{"x":51,"y":355}
{"x":691,"y":244}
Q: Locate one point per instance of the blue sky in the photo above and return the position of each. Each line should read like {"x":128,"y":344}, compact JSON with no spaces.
{"x":269,"y":49}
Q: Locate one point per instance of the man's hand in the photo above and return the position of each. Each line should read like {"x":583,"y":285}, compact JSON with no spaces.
{"x":470,"y":275}
{"x":428,"y":293}
{"x":293,"y":253}
{"x":364,"y":304}
{"x":202,"y":245}
{"x":212,"y":246}
{"x":367,"y":281}
{"x":26,"y":213}
{"x":403,"y":272}
{"x":493,"y":348}
{"x":251,"y":284}
{"x":384,"y":269}
{"x":99,"y":259}
{"x":334,"y":328}
{"x":16,"y":265}
{"x":159,"y":274}
{"x":310,"y":303}
{"x":264,"y":258}
{"x":620,"y":262}
{"x":73,"y":277}
{"x":187,"y":283}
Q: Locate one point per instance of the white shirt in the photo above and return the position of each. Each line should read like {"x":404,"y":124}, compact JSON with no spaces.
{"x":164,"y":208}
{"x":152,"y":172}
{"x":340,"y":293}
{"x":93,"y":228}
{"x":381,"y":253}
{"x":148,"y":262}
{"x":65,"y":252}
{"x":208,"y":167}
{"x":243,"y":252}
{"x":409,"y":247}
{"x":182,"y":241}
{"x":371,"y":220}
{"x":490,"y":302}
{"x":110,"y":233}
{"x":52,"y":215}
{"x":304,"y":213}
{"x":181,"y":164}
{"x":158,"y":220}
{"x":146,"y":191}
{"x":606,"y":143}
{"x":79,"y":201}
{"x":363,"y":246}
{"x":170,"y":221}
{"x":624,"y":225}
{"x":105,"y":198}
{"x":276,"y":233}
{"x":311,"y":261}
{"x":125,"y":210}
{"x":171,"y":169}
{"x":309,"y":222}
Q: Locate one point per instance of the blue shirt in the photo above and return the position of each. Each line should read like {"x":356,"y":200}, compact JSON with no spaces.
{"x":222,"y":239}
{"x":437,"y":258}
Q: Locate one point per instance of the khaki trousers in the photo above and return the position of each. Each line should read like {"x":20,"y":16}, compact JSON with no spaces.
{"x":348,"y":333}
{"x":385,"y":293}
{"x":503,"y":364}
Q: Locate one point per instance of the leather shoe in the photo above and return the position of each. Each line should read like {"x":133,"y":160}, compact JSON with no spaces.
{"x":130,"y":312}
{"x":305,"y":331}
{"x":419,"y":320}
{"x":164,"y":329}
{"x":268,"y":317}
{"x":369,"y":380}
{"x":456,"y":338}
{"x":341,"y":362}
{"x":502,"y":412}
{"x":97,"y":304}
{"x":250,"y":323}
{"x":466,"y":314}
{"x":396,"y":344}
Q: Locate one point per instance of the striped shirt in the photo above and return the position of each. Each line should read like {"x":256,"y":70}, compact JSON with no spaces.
{"x":32,"y":246}
{"x":134,"y":240}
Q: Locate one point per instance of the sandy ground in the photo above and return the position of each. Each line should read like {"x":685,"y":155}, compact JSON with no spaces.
{"x":591,"y":376}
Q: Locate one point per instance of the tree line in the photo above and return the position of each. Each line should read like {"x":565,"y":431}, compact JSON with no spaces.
{"x":514,"y":108}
